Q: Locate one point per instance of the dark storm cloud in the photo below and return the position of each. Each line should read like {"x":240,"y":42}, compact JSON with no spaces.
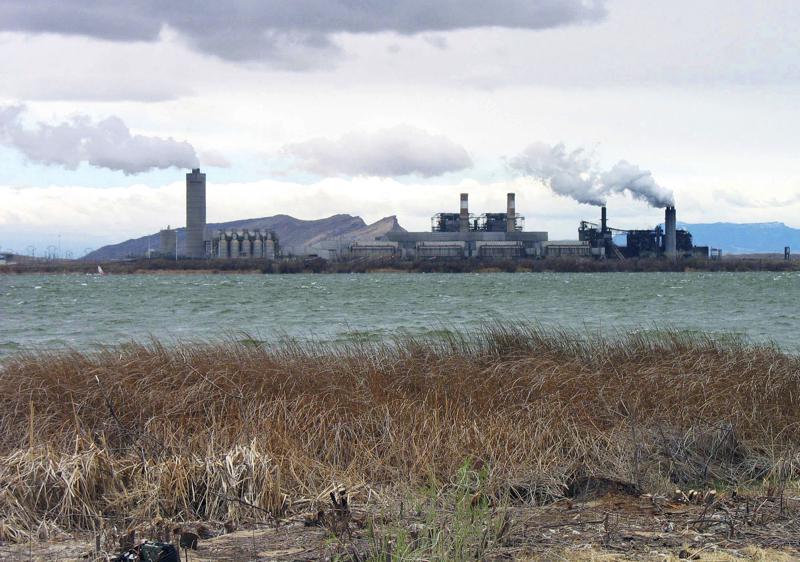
{"x":252,"y":30}
{"x":398,"y":151}
{"x":104,"y":144}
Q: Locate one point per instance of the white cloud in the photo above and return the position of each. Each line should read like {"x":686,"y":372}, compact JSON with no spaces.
{"x":397,"y":151}
{"x":245,"y":30}
{"x":105,"y":144}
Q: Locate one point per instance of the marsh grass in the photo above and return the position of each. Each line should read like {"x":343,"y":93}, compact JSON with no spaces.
{"x":459,"y":522}
{"x":144,"y":431}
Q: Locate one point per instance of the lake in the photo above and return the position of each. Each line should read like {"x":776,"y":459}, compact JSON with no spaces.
{"x":80,"y":311}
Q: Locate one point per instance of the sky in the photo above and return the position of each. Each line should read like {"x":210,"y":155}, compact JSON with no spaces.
{"x":316,"y":107}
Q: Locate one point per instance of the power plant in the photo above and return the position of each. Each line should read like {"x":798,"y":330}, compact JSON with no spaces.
{"x":453,"y":235}
{"x":463,"y":235}
{"x":671,"y":242}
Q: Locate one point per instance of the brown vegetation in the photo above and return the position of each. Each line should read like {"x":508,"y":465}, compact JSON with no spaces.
{"x":142,"y":432}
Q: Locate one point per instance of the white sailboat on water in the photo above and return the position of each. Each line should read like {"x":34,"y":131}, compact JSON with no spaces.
{"x":100,"y":271}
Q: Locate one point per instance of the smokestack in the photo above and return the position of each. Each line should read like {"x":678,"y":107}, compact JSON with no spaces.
{"x":670,"y":237}
{"x":463,"y":218}
{"x":603,"y":220}
{"x":511,"y":213}
{"x":195,"y":214}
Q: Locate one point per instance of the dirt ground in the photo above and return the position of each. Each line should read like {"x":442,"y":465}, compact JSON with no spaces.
{"x":609,"y":524}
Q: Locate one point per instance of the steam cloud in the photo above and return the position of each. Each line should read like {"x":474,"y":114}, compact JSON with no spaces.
{"x":105,"y":144}
{"x":398,"y":151}
{"x":574,"y":174}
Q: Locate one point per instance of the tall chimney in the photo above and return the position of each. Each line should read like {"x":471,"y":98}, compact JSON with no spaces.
{"x":463,"y":218}
{"x":670,"y":236}
{"x":195,"y":214}
{"x":511,"y":213}
{"x":603,"y":220}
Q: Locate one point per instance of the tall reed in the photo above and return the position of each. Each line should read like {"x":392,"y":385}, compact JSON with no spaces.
{"x":144,"y":430}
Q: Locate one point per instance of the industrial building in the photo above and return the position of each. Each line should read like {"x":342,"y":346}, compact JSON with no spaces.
{"x":670,"y":241}
{"x":463,"y":235}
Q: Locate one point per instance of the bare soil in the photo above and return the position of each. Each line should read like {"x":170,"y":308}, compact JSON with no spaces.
{"x":607,"y":524}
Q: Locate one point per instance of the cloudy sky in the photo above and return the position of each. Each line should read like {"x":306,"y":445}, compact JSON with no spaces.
{"x":316,"y":107}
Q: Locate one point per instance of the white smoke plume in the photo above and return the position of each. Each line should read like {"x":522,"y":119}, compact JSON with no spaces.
{"x":575,"y":174}
{"x":105,"y":144}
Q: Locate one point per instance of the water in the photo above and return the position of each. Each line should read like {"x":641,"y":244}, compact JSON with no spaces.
{"x":52,"y":311}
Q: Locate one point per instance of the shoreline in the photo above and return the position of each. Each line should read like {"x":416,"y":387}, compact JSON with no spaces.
{"x":317,"y":265}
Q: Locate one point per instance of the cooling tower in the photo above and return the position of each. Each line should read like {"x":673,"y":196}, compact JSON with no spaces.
{"x":195,"y":214}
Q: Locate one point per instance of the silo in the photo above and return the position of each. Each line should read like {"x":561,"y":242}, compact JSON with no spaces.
{"x":195,"y":214}
{"x":168,"y":238}
{"x":234,"y":245}
{"x":269,"y":247}
{"x":258,"y":245}
{"x":246,"y":248}
{"x":222,"y":245}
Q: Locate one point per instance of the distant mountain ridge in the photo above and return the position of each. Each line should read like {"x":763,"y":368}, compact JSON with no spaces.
{"x":745,"y":238}
{"x":292,"y":233}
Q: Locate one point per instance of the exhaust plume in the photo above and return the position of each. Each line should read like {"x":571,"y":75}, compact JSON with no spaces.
{"x":575,"y":174}
{"x":104,"y":144}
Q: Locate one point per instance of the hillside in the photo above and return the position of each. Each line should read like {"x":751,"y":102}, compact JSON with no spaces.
{"x":745,"y":238}
{"x":292,"y":233}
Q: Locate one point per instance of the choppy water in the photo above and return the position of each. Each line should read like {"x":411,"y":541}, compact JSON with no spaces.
{"x":50,"y":311}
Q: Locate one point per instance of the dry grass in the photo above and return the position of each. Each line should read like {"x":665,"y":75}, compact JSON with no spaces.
{"x":142,"y":431}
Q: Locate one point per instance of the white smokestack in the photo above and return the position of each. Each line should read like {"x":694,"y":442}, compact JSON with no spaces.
{"x":511,"y":212}
{"x":463,"y":219}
